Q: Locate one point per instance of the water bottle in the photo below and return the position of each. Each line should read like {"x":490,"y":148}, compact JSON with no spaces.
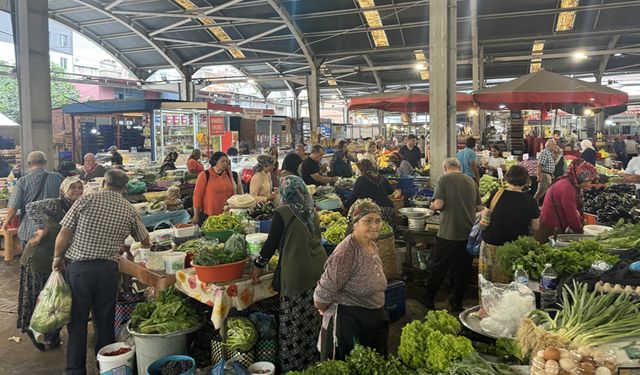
{"x":548,"y":285}
{"x":521,"y":276}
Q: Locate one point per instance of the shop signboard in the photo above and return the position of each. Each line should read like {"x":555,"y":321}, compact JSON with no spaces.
{"x":252,"y":113}
{"x":216,"y":125}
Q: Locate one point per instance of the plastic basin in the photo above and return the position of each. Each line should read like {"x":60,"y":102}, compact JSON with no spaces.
{"x":156,"y":367}
{"x":222,"y":273}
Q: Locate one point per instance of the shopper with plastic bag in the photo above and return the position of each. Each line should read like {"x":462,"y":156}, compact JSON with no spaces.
{"x":53,"y":307}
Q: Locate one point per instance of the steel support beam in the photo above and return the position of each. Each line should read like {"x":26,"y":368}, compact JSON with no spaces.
{"x":343,"y":12}
{"x":297,"y":33}
{"x":563,"y":55}
{"x":205,"y":13}
{"x":195,"y":16}
{"x":243,"y":42}
{"x":224,"y":46}
{"x":113,"y":4}
{"x":160,"y":48}
{"x":605,"y":58}
{"x":185,"y":88}
{"x":376,"y":76}
{"x":287,"y":83}
{"x":31,"y":42}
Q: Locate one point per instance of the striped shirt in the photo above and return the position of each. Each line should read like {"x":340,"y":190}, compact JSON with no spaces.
{"x":25,"y":193}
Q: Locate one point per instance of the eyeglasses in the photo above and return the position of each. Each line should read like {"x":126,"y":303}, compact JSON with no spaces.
{"x":372,"y":221}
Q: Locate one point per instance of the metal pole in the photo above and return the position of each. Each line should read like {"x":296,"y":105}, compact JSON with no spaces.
{"x":452,"y":74}
{"x":475,"y":61}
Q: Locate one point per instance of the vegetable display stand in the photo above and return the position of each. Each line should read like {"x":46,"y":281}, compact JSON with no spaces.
{"x":221,"y":273}
{"x":156,"y":367}
{"x":156,"y":279}
{"x":152,"y":347}
{"x":116,"y":363}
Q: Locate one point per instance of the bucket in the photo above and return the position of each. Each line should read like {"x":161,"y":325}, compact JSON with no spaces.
{"x":155,"y":260}
{"x":254,"y":244}
{"x":174,"y":262}
{"x":116,"y":364}
{"x":156,"y":367}
{"x":417,"y":224}
{"x":265,"y":368}
{"x":152,"y":347}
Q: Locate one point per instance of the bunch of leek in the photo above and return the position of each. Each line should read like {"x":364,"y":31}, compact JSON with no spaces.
{"x":591,"y":318}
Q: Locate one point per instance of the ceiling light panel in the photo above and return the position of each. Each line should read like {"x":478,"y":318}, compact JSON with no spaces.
{"x":373,"y":20}
{"x":536,"y":50}
{"x":217,"y":31}
{"x":422,"y":60}
{"x":567,"y":19}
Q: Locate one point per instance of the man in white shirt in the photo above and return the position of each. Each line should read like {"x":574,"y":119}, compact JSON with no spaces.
{"x":632,"y":173}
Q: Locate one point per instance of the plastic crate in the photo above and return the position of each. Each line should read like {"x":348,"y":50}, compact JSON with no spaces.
{"x":395,"y":300}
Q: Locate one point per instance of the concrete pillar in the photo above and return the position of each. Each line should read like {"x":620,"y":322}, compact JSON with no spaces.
{"x":442,"y":48}
{"x":295,"y":107}
{"x":313,"y":97}
{"x":482,"y":114}
{"x":599,"y":118}
{"x":475,"y":61}
{"x":186,"y":88}
{"x":31,"y":39}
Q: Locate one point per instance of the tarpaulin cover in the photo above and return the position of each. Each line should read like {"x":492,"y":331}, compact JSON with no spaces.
{"x":405,"y":101}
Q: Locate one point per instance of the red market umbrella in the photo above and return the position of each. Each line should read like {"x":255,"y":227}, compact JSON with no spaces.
{"x":544,"y":90}
{"x":404,"y":101}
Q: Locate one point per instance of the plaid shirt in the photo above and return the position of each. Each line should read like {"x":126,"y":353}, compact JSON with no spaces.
{"x":25,"y":193}
{"x":101,"y":222}
{"x":547,"y":162}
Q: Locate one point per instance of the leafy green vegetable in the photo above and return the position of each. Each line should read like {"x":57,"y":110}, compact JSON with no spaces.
{"x":622,"y":236}
{"x":444,"y":350}
{"x":170,"y":312}
{"x":441,"y":320}
{"x":241,"y":334}
{"x":219,"y":254}
{"x":236,"y":246}
{"x":509,"y":351}
{"x":366,"y":361}
{"x":329,"y":367}
{"x":53,"y":306}
{"x":195,"y":245}
{"x":576,"y":257}
{"x":473,"y":364}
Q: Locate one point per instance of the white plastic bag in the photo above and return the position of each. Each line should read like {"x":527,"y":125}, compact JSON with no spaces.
{"x":505,"y":306}
{"x":53,"y":306}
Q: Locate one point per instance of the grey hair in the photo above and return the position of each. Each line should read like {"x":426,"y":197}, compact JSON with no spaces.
{"x":315,"y":149}
{"x":451,"y":163}
{"x":89,"y":154}
{"x":116,"y":179}
{"x":37,"y":158}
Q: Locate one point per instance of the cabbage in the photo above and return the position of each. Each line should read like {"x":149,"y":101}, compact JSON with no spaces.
{"x":53,"y":307}
{"x":236,"y":247}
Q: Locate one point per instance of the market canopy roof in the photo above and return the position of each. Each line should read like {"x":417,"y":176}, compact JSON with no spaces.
{"x":5,"y":121}
{"x":362,"y":50}
{"x":547,"y":90}
{"x":404,"y":101}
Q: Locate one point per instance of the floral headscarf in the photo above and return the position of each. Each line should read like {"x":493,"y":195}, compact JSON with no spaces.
{"x":579,"y":172}
{"x":263,"y":162}
{"x":361,"y":208}
{"x":370,"y":171}
{"x":294,"y":194}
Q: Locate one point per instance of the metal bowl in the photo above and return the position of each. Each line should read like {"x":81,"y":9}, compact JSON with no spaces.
{"x":416,"y":212}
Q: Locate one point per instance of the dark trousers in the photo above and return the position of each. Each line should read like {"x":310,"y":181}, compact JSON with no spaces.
{"x":356,"y":325}
{"x":449,"y":254}
{"x":94,"y":287}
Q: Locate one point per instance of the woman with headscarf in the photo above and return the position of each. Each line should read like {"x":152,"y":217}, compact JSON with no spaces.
{"x":261,"y":186}
{"x":273,"y":152}
{"x":341,"y":161}
{"x":562,"y":208}
{"x":194,"y":165}
{"x":371,"y":184}
{"x":169,"y":163}
{"x":213,"y":187}
{"x":350,"y":293}
{"x":371,"y":154}
{"x":550,"y":166}
{"x":37,"y":257}
{"x":402,"y":167}
{"x":295,"y":233}
{"x":588,"y":152}
{"x":290,"y":165}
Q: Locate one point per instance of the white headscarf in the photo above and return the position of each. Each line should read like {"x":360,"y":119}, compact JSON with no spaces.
{"x":585,"y":144}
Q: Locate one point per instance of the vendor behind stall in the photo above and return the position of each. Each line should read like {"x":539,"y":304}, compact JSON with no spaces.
{"x":371,"y":154}
{"x":261,"y":186}
{"x":563,"y":202}
{"x":213,"y":188}
{"x":91,"y":169}
{"x":116,"y":158}
{"x":496,"y":160}
{"x":310,"y":168}
{"x":350,"y":293}
{"x":169,"y":164}
{"x":193,"y":164}
{"x":295,"y":233}
{"x":341,"y":161}
{"x":371,"y":184}
{"x":402,"y":167}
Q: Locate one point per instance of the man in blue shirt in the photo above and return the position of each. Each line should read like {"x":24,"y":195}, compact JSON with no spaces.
{"x":469,"y":160}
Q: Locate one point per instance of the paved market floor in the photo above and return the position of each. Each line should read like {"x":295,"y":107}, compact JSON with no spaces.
{"x":22,"y":358}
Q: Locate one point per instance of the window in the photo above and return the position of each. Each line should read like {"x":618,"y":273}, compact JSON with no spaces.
{"x":64,"y":40}
{"x":63,"y":63}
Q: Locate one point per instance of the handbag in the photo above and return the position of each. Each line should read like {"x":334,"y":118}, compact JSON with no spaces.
{"x":485,"y":219}
{"x":23,"y":209}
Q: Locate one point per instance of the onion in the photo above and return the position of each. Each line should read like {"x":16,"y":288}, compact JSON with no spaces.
{"x":552,"y":353}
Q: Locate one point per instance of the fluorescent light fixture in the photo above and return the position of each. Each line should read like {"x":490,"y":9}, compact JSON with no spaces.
{"x":94,"y":131}
{"x":588,"y":112}
{"x":617,"y":54}
{"x":574,"y":117}
{"x":334,"y":97}
{"x":374,"y":21}
{"x":251,"y":81}
{"x":502,"y":106}
{"x":472,"y":112}
{"x":608,"y":122}
{"x":580,"y":55}
{"x":592,"y":99}
{"x":420,"y":66}
{"x":567,"y":19}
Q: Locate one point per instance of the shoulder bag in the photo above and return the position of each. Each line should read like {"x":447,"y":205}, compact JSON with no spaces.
{"x":23,"y":209}
{"x":485,"y":220}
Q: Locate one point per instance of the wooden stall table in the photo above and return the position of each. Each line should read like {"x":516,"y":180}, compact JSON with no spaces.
{"x":11,"y":243}
{"x":156,"y":279}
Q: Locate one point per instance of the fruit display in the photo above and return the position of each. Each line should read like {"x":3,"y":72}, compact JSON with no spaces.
{"x":489,"y":184}
{"x":328,"y":218}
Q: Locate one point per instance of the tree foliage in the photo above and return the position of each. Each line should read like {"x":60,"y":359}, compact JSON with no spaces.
{"x":61,"y":92}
